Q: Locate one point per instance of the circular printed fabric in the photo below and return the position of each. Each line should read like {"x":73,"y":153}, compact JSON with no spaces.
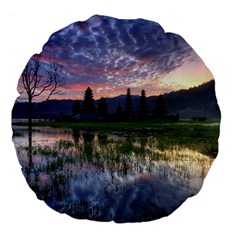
{"x":116,"y":121}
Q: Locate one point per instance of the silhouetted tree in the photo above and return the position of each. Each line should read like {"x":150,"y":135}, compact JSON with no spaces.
{"x":88,"y":102}
{"x":119,"y":113}
{"x":119,"y":110}
{"x":142,"y":112}
{"x":160,"y":109}
{"x":76,"y":108}
{"x":128,"y":105}
{"x":102,"y":109}
{"x":40,"y":77}
{"x":35,"y":83}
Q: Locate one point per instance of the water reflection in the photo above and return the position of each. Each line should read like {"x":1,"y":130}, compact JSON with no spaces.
{"x":110,"y":177}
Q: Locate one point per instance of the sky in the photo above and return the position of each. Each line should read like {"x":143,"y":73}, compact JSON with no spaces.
{"x":110,"y":55}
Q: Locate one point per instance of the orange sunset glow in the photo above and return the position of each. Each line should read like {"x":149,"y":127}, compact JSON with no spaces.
{"x":110,"y":55}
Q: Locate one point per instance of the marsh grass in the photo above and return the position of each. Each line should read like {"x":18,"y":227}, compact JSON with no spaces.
{"x":114,"y":157}
{"x":121,"y":156}
{"x":201,"y":136}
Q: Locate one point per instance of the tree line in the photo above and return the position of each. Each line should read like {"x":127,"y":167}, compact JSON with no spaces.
{"x":99,"y":108}
{"x":34,"y":85}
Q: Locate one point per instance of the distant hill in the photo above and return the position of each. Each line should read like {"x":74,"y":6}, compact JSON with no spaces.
{"x":195,"y":102}
{"x":198,"y":101}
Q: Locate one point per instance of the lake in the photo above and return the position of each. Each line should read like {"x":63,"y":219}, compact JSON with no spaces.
{"x":124,"y":177}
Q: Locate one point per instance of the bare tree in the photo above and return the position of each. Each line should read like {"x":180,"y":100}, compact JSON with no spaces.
{"x":38,"y":79}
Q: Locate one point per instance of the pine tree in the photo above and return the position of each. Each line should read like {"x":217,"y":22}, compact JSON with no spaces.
{"x":102,"y":108}
{"x":142,"y":112}
{"x":160,"y":109}
{"x":88,"y":102}
{"x":128,"y":105}
{"x":76,"y":108}
{"x":119,"y":110}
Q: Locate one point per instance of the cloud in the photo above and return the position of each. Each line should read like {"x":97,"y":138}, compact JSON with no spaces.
{"x":117,"y":52}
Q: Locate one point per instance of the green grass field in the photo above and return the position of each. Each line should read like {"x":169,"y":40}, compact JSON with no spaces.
{"x":202,"y":136}
{"x":133,"y":126}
